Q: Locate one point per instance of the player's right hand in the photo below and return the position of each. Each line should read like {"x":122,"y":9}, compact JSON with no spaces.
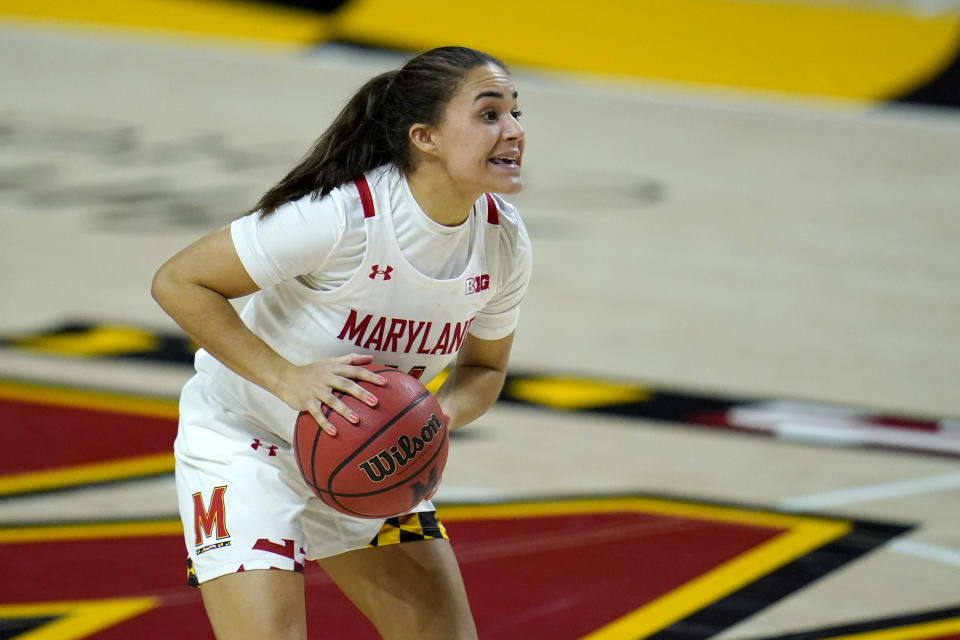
{"x":309,"y":387}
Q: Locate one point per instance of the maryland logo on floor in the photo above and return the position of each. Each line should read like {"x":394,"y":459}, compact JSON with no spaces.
{"x":599,"y":568}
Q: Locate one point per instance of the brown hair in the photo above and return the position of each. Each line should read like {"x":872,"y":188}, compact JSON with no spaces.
{"x":372,"y":129}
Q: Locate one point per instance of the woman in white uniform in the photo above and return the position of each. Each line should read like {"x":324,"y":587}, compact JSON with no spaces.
{"x":383,"y":245}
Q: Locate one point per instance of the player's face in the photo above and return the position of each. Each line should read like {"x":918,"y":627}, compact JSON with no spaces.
{"x":480,"y":142}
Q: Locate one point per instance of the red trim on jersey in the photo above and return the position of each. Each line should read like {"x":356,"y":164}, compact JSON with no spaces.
{"x":493,"y":216}
{"x":366,"y":199}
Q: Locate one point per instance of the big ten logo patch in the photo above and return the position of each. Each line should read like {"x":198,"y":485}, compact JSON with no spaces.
{"x":210,"y":522}
{"x":477,"y":284}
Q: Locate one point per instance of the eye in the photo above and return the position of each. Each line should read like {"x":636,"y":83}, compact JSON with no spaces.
{"x":489,"y":115}
{"x":516,"y":113}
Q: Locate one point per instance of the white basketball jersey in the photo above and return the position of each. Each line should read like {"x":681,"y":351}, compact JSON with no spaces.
{"x":388,"y":309}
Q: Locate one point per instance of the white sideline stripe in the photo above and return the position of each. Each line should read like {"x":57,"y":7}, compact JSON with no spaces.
{"x":869,"y":493}
{"x":897,"y":438}
{"x":840,"y":427}
{"x":927,"y":551}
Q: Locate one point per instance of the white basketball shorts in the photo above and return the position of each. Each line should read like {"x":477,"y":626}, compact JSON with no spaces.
{"x":244,"y":504}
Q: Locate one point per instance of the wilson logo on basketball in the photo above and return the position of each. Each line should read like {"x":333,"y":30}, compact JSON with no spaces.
{"x":386,"y":463}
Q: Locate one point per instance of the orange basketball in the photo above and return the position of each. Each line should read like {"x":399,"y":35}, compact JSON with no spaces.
{"x":386,"y":463}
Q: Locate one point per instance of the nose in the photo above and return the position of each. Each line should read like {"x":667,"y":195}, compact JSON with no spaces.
{"x":512,"y":130}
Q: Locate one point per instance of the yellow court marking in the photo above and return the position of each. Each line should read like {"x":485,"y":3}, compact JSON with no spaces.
{"x":92,"y":472}
{"x":816,"y":49}
{"x":76,"y":619}
{"x":454,"y":513}
{"x":90,"y":531}
{"x":852,"y":52}
{"x":920,"y":631}
{"x":575,"y":393}
{"x":721,"y":581}
{"x":87,"y":399}
{"x":802,"y":535}
{"x":88,"y":473}
{"x":657,"y":506}
{"x":255,"y":23}
{"x":103,"y":340}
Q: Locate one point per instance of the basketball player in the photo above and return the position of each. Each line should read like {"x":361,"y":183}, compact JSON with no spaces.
{"x":383,"y":245}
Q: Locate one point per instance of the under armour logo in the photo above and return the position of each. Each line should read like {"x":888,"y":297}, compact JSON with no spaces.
{"x":377,"y":271}
{"x":272,"y":448}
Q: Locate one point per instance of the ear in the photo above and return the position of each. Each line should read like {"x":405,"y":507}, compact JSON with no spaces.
{"x":423,"y":138}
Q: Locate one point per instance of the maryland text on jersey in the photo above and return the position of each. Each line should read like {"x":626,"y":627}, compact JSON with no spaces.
{"x":398,"y":335}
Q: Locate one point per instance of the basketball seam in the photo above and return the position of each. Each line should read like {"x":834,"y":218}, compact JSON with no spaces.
{"x":393,"y":486}
{"x":333,"y":495}
{"x":407,"y":409}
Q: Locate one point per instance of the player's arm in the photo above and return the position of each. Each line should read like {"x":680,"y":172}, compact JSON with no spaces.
{"x":476,"y":379}
{"x":195,"y":287}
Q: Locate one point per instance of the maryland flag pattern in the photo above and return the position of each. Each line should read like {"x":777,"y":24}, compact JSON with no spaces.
{"x":191,"y":575}
{"x":410,"y":528}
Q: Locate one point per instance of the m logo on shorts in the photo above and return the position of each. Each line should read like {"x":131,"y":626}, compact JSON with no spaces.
{"x":204,"y":520}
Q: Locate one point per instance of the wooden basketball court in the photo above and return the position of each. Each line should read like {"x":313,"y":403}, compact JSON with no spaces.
{"x":733,"y":407}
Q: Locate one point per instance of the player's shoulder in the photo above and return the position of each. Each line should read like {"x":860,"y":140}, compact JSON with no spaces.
{"x":500,"y":211}
{"x":376,"y":183}
{"x":342,"y":204}
{"x":505,"y":215}
{"x":513,"y":237}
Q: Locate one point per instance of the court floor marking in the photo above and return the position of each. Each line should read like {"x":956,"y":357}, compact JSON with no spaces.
{"x":883,"y":491}
{"x":75,"y":398}
{"x":862,"y":54}
{"x":76,"y":619}
{"x":11,"y":534}
{"x":94,"y":472}
{"x":927,"y":625}
{"x":802,"y":535}
{"x":78,"y":475}
{"x":720,"y":582}
{"x":923,"y":631}
{"x":799,"y":536}
{"x":926,"y":551}
{"x":871,"y":493}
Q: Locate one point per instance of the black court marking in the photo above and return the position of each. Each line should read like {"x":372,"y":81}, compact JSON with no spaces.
{"x":773,"y":587}
{"x":11,"y":628}
{"x":942,"y":90}
{"x":686,"y":408}
{"x":880,"y":624}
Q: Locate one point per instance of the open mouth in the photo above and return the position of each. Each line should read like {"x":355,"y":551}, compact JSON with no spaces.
{"x":506,"y":161}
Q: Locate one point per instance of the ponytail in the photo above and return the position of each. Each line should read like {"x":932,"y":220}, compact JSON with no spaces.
{"x":355,"y":142}
{"x":371,"y":130}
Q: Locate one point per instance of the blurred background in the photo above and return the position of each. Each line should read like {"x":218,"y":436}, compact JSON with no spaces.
{"x":733,"y":406}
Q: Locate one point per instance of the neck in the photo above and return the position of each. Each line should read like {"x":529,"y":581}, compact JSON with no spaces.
{"x":440,"y":197}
